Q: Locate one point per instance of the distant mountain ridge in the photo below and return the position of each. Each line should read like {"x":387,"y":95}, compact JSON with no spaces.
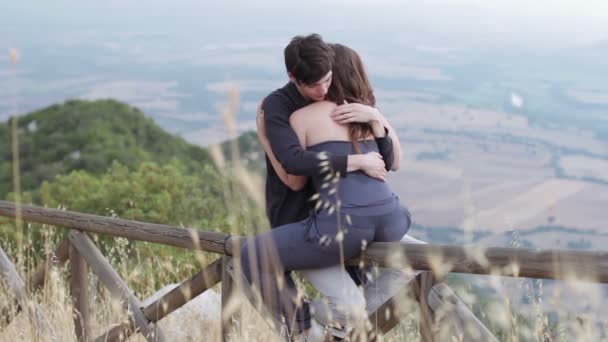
{"x":88,"y":135}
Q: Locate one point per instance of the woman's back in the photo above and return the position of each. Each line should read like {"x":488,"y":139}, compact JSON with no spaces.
{"x":316,"y":123}
{"x":356,"y":191}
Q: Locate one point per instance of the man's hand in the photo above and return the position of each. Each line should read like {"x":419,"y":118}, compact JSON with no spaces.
{"x":354,"y":112}
{"x":371,"y":163}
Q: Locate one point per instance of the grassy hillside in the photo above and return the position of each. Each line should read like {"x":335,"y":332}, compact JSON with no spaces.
{"x":106,"y":158}
{"x":89,"y":136}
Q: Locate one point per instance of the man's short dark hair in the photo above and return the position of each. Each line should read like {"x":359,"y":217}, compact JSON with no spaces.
{"x":308,"y":58}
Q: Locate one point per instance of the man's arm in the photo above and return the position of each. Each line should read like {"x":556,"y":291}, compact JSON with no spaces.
{"x":385,"y":147}
{"x":286,"y":146}
{"x":295,"y":183}
{"x":383,"y":139}
{"x":395,"y":146}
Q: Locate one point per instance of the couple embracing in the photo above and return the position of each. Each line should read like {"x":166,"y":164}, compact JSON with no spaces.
{"x":328,"y":150}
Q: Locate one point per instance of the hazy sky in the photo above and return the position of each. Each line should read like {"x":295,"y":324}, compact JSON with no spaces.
{"x":552,"y":23}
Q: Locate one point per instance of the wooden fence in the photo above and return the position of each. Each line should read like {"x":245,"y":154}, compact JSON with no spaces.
{"x":427,"y":287}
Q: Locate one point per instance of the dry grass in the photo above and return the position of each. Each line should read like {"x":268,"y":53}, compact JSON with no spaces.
{"x":502,"y":315}
{"x":509,"y":320}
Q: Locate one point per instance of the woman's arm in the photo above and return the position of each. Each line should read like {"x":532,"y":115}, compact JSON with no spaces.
{"x":295,"y":183}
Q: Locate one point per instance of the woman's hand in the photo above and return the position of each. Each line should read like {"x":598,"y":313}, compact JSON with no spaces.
{"x":354,"y":112}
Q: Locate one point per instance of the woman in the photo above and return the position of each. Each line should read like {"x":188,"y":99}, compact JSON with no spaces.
{"x":351,"y":210}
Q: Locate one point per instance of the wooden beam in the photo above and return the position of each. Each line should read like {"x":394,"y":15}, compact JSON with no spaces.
{"x":518,"y":262}
{"x":56,"y":258}
{"x":456,"y":316}
{"x":111,"y":279}
{"x":384,"y":299}
{"x":79,"y":288}
{"x":233,"y":245}
{"x":59,"y":256}
{"x":386,"y":311}
{"x":134,"y":230}
{"x":514,"y":262}
{"x":14,"y":282}
{"x":174,"y":299}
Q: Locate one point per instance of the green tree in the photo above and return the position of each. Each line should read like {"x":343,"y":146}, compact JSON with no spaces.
{"x":88,"y":135}
{"x":156,"y":193}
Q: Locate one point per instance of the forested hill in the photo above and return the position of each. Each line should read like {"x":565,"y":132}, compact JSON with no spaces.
{"x":89,"y":136}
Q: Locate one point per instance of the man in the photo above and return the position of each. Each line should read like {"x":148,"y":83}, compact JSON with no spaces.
{"x":309,"y":62}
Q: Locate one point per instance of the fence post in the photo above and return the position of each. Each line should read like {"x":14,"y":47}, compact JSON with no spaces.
{"x":229,"y":312}
{"x":59,"y":256}
{"x":79,"y":288}
{"x":111,"y":279}
{"x":171,"y":301}
{"x":426,"y":280}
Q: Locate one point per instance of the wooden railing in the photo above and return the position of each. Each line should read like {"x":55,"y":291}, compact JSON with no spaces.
{"x":427,"y":286}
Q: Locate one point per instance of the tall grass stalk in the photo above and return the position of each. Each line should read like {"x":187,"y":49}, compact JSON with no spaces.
{"x":146,"y":271}
{"x":14,"y":61}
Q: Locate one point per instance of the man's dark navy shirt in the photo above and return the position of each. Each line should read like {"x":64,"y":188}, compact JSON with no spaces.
{"x":284,"y":205}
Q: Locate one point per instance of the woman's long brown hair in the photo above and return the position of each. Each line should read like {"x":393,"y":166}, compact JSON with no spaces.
{"x":350,"y":84}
